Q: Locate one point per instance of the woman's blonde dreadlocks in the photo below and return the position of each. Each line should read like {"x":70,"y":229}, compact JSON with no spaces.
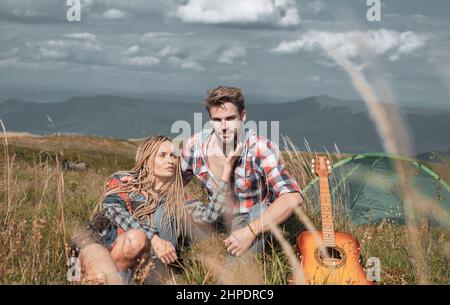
{"x":144,"y":180}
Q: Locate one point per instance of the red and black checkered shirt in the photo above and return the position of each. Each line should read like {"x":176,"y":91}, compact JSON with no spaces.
{"x":259,"y":177}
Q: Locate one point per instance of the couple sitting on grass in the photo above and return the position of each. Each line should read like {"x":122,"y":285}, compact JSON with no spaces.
{"x":144,"y":211}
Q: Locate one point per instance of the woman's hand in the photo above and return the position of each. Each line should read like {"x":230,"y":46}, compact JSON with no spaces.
{"x":164,"y":250}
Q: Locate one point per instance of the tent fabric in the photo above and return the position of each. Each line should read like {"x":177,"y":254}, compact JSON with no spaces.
{"x":367,"y":188}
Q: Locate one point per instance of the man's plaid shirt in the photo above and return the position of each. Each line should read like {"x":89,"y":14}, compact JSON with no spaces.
{"x":259,"y":177}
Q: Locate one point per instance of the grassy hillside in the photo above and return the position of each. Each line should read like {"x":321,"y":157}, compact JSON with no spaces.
{"x":41,"y":206}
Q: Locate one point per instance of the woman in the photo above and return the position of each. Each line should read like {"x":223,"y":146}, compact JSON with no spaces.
{"x":143,"y":212}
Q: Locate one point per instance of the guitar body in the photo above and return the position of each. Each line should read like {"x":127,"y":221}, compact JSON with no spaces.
{"x":341,"y":268}
{"x":329,"y":257}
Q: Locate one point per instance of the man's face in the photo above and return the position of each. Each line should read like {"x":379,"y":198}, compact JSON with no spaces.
{"x":225,"y":119}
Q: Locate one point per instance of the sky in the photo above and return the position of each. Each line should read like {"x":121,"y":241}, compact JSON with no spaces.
{"x":268,"y":48}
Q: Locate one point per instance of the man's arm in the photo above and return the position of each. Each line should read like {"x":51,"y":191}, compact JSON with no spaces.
{"x":288,"y":197}
{"x":241,"y":240}
{"x":281,"y":184}
{"x":187,"y":161}
{"x":277,"y":212}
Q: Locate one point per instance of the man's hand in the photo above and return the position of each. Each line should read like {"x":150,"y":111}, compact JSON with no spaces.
{"x":239,"y":241}
{"x":164,"y":250}
{"x":229,"y":162}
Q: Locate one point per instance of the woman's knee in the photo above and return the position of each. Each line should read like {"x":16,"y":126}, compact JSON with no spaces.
{"x":135,"y":242}
{"x":97,"y":265}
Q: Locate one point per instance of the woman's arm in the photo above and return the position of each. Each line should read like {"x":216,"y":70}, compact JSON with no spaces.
{"x":209,"y":213}
{"x":115,"y":210}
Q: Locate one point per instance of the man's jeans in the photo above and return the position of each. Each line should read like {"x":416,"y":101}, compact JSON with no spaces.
{"x":199,"y":232}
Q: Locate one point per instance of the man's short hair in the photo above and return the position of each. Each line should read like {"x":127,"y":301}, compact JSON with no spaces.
{"x":222,"y":94}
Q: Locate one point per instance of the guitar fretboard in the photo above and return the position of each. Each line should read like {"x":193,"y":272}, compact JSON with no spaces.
{"x":327,"y":213}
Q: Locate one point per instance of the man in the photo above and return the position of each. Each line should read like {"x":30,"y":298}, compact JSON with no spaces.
{"x":263,"y":192}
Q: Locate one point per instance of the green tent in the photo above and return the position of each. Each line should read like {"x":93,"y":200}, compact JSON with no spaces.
{"x":366,"y":188}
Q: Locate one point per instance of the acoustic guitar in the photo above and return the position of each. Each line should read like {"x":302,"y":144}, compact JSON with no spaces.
{"x":335,"y":259}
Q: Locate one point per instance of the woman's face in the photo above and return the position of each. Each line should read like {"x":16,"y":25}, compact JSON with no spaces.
{"x":166,"y":161}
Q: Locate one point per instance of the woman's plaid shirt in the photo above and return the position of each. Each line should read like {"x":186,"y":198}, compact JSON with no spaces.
{"x":260,"y":175}
{"x":117,"y":207}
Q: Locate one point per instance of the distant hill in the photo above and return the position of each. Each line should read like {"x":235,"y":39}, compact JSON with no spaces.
{"x":322,"y":120}
{"x":435,"y":156}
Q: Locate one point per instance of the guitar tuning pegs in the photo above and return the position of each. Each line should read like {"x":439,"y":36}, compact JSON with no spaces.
{"x":328,"y":162}
{"x":312,"y":161}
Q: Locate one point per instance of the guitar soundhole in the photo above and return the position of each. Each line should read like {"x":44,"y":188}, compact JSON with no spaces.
{"x":333,"y":257}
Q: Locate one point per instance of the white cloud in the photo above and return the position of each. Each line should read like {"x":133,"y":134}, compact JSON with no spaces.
{"x":185,"y":63}
{"x":132,"y":50}
{"x":31,"y":11}
{"x":87,"y":36}
{"x":230,"y":55}
{"x":18,"y":63}
{"x":114,"y":14}
{"x":51,"y":54}
{"x":155,"y":35}
{"x":410,"y":42}
{"x":137,"y":7}
{"x":279,"y":12}
{"x":9,"y":62}
{"x":313,"y":78}
{"x":119,"y":51}
{"x":353,"y":44}
{"x":167,"y":51}
{"x":61,"y":44}
{"x":143,"y":61}
{"x":37,"y":11}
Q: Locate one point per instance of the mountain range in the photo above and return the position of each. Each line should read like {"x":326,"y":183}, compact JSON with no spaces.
{"x":322,"y":120}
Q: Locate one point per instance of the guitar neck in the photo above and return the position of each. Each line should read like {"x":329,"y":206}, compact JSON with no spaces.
{"x":327,"y":213}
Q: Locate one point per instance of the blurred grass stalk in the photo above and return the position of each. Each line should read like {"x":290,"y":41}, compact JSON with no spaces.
{"x":395,"y":137}
{"x":7,"y":175}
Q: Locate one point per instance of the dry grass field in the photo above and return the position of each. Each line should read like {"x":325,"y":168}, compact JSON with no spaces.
{"x":41,"y":206}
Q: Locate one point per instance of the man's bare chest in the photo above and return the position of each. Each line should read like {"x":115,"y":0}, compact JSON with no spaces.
{"x":216,"y":165}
